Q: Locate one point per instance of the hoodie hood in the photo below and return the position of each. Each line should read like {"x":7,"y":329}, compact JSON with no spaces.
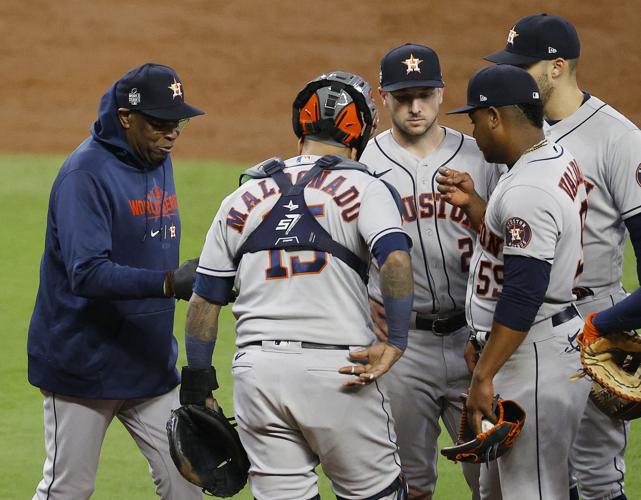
{"x":110,"y":134}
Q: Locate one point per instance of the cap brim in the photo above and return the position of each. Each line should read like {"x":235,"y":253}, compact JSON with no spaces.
{"x":410,"y":84}
{"x":179,"y":112}
{"x":505,"y":57}
{"x":464,"y":109}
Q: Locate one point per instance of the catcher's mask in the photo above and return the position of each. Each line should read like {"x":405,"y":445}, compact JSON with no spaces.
{"x":336,"y":108}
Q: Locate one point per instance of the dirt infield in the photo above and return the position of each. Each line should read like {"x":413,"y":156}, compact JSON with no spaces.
{"x":244,"y":61}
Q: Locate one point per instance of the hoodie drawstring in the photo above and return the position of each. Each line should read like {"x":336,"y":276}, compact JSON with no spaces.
{"x":162,"y":202}
{"x":145,"y":197}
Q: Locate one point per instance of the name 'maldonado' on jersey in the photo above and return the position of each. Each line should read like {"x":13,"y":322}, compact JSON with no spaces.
{"x":443,"y":239}
{"x":536,"y":210}
{"x":607,"y":147}
{"x":302,"y":295}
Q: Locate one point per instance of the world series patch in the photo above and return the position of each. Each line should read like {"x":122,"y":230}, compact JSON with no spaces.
{"x":518,"y":233}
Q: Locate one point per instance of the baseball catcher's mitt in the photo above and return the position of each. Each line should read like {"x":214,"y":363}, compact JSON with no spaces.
{"x":207,"y":451}
{"x":612,"y":362}
{"x":492,"y":443}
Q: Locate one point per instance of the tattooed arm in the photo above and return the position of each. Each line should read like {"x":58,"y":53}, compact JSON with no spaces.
{"x":397,"y":287}
{"x":201,"y":329}
{"x":202,"y":319}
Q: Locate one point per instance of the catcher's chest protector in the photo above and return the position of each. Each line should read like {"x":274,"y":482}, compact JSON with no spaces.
{"x":291,"y":224}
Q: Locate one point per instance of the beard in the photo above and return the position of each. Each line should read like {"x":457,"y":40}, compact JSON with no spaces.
{"x":545,"y":88}
{"x":413,"y":133}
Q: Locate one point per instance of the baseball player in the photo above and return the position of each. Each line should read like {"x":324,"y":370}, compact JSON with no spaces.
{"x":520,"y":285}
{"x":607,"y":146}
{"x":426,"y":384}
{"x":624,"y":315}
{"x":101,"y":342}
{"x":295,"y":240}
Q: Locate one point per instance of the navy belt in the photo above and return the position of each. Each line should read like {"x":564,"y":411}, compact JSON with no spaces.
{"x":304,"y":345}
{"x":441,"y":326}
{"x":566,"y":315}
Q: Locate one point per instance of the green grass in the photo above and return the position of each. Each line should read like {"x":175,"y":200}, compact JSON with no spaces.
{"x":123,"y":471}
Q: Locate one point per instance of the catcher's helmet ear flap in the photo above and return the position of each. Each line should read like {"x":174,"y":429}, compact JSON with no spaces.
{"x":336,"y":108}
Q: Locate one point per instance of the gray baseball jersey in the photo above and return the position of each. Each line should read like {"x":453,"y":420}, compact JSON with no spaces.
{"x":607,"y":147}
{"x":536,"y":211}
{"x":354,"y":207}
{"x":288,"y":300}
{"x":426,"y":383}
{"x":442,"y":235}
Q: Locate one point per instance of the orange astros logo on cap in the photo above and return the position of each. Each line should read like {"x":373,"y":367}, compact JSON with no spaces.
{"x":412,"y":64}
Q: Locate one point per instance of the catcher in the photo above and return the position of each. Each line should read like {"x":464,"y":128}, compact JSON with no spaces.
{"x":307,"y":373}
{"x":611,"y":356}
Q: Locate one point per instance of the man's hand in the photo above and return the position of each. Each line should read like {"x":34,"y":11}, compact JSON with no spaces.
{"x":180,"y":282}
{"x":457,"y":188}
{"x":471,"y":356}
{"x":374,"y":361}
{"x":378,"y":318}
{"x":479,"y":403}
{"x":212,"y":404}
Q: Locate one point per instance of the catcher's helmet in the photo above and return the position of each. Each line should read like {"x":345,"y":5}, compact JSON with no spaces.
{"x":336,"y":108}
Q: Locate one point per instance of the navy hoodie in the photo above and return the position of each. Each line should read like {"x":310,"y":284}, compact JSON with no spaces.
{"x":101,"y":326}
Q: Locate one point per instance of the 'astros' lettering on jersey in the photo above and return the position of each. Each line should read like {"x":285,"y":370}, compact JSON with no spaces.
{"x":607,"y":147}
{"x":302,"y":295}
{"x":441,"y":233}
{"x":536,"y":210}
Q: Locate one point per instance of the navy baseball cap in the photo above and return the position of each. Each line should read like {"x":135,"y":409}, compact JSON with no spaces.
{"x":499,"y":86}
{"x":154,"y":90}
{"x":537,"y":38}
{"x":408,"y":66}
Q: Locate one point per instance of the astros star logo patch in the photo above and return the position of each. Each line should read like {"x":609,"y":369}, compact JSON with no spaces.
{"x":176,"y":88}
{"x":412,"y":64}
{"x":512,"y":35}
{"x":517,"y":233}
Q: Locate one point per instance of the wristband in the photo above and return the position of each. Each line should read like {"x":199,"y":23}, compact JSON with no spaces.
{"x":398,"y":313}
{"x":168,"y":284}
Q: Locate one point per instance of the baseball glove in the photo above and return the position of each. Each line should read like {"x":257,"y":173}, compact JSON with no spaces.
{"x":612,"y":362}
{"x":492,"y":443}
{"x":207,"y":451}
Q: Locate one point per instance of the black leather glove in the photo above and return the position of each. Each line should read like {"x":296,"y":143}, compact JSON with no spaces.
{"x":180,"y":282}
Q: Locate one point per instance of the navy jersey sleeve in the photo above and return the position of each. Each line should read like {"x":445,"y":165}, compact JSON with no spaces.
{"x":625,"y":315}
{"x":526,"y":280}
{"x":83,"y":224}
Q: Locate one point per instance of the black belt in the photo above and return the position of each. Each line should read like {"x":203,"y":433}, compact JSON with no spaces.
{"x":566,"y":315}
{"x":441,"y":326}
{"x":304,"y":345}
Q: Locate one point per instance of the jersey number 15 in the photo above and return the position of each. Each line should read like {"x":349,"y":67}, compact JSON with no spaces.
{"x":278,"y":270}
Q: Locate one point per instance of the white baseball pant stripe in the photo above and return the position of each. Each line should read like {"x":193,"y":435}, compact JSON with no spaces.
{"x":75,"y":429}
